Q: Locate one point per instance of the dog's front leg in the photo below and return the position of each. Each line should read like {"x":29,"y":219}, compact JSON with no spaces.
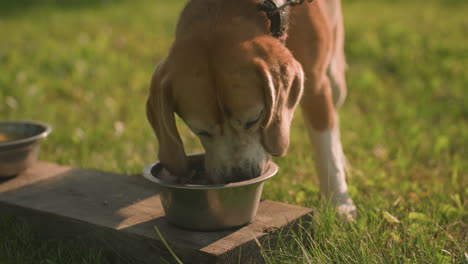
{"x":323,"y":124}
{"x":330,"y":165}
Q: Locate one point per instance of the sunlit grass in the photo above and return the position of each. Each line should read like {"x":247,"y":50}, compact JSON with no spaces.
{"x":85,"y":70}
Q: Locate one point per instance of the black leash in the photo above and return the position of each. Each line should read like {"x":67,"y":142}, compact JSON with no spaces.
{"x":276,"y":13}
{"x":292,"y":3}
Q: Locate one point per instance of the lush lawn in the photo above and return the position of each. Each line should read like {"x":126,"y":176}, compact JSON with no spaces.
{"x":84,"y":67}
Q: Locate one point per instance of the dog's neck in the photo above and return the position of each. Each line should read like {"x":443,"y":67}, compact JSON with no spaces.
{"x":230,"y":18}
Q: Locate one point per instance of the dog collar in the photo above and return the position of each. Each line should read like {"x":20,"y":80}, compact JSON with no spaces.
{"x":277,"y":13}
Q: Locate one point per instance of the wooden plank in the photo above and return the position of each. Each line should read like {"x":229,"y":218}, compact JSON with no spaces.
{"x":120,"y":212}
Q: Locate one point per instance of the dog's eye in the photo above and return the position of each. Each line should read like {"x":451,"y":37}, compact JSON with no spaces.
{"x":204,"y":134}
{"x":253,"y":122}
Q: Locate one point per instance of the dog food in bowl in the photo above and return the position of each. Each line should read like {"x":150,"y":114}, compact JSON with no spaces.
{"x":5,"y":137}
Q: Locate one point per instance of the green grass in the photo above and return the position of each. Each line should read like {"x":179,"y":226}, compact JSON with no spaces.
{"x":84,"y":67}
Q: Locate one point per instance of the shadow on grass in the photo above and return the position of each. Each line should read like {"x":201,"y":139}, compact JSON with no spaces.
{"x":9,"y":8}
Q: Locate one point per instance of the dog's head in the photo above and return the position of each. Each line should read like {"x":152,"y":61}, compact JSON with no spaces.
{"x":239,"y":100}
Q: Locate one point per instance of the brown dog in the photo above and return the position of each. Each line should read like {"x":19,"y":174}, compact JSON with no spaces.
{"x":236,"y":86}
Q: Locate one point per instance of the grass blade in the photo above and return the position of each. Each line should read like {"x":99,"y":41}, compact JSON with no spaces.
{"x":167,"y":246}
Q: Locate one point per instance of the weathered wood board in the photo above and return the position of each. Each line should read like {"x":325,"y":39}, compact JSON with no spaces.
{"x":120,"y":212}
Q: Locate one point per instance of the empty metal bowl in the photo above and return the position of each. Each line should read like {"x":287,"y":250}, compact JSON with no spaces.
{"x":209,"y":207}
{"x":19,"y":145}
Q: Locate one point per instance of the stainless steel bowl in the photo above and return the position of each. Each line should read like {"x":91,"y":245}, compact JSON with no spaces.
{"x":19,"y":145}
{"x":209,"y":207}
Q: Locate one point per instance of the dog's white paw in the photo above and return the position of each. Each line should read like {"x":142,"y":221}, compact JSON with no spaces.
{"x":346,"y":210}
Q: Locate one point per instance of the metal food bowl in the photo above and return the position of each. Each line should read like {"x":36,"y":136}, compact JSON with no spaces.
{"x":19,"y":145}
{"x":209,"y":207}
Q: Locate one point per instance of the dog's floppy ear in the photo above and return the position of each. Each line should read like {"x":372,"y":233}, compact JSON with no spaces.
{"x":283,"y":90}
{"x":160,"y":113}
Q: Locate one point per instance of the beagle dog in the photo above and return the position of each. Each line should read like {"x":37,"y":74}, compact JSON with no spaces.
{"x":236,"y":72}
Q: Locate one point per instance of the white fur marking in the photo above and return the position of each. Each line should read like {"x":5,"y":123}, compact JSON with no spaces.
{"x":330,"y":162}
{"x":231,"y":148}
